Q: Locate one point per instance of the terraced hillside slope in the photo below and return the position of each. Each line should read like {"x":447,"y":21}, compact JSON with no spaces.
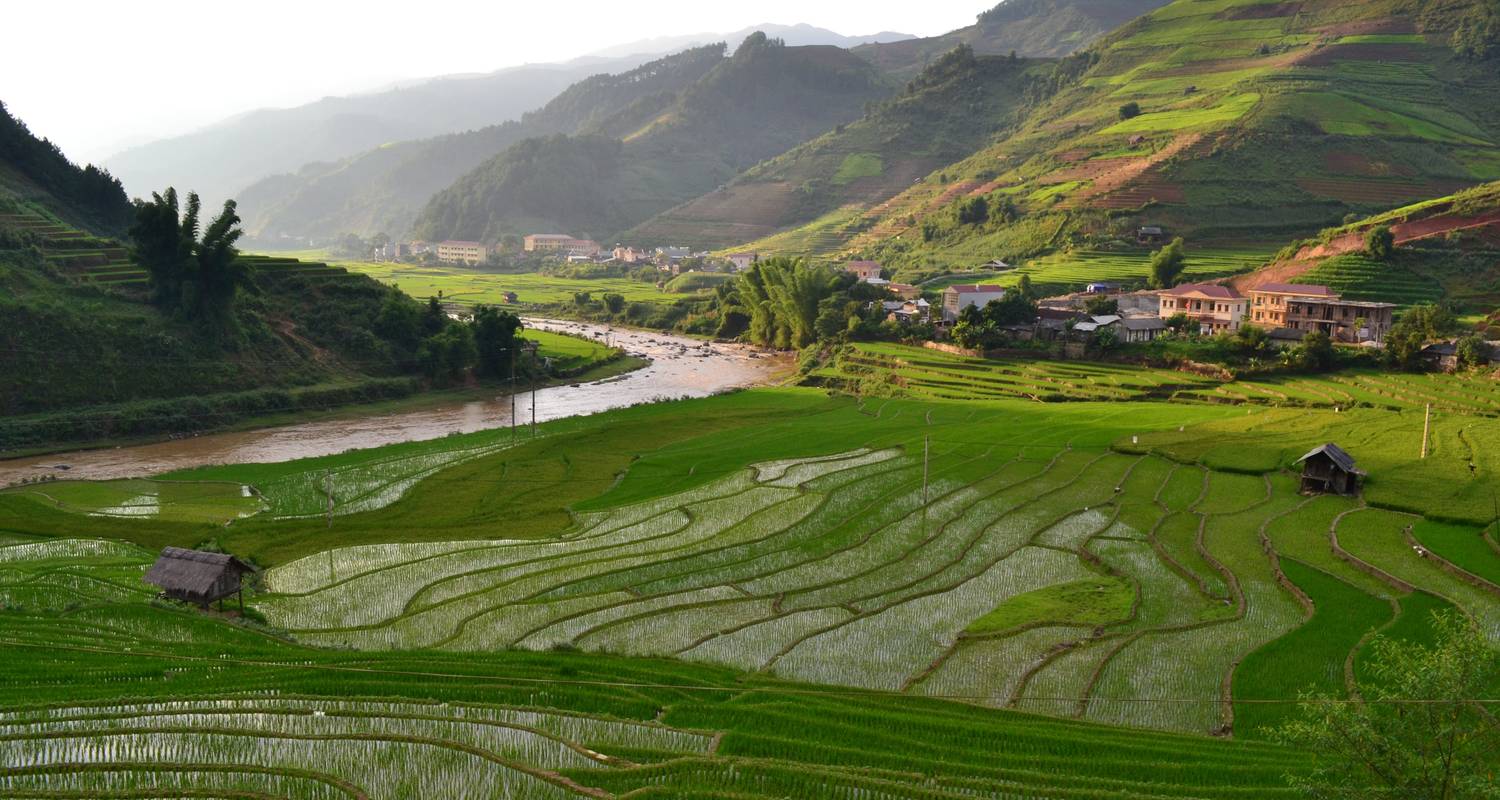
{"x":947,"y":562}
{"x":1447,"y":248}
{"x":763,"y":100}
{"x":1028,"y":28}
{"x":1228,"y":119}
{"x":381,"y":190}
{"x":955,"y":106}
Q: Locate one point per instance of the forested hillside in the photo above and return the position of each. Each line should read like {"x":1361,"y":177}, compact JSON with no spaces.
{"x":957,"y":105}
{"x":382,"y":190}
{"x":35,"y":170}
{"x":224,"y":158}
{"x":662,"y":150}
{"x":1230,"y":120}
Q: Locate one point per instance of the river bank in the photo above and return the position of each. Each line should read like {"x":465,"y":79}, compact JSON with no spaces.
{"x":673,"y":367}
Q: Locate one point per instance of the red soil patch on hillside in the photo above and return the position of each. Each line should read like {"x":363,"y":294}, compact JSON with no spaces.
{"x":1372,"y":191}
{"x":1135,"y":181}
{"x":1487,"y":225}
{"x":1344,"y":162}
{"x":1263,"y":11}
{"x":1074,"y":156}
{"x":1366,"y":27}
{"x":1088,"y":170}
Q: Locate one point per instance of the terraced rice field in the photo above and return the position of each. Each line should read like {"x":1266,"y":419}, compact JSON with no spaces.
{"x":1075,"y":270}
{"x":817,"y":597}
{"x":469,"y":287}
{"x":1359,"y":277}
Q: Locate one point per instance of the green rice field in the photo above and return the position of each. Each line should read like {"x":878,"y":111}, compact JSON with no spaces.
{"x":1072,"y":271}
{"x":774,"y":593}
{"x":471,"y":287}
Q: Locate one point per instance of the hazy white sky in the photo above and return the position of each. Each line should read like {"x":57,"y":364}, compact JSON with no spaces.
{"x":97,"y":75}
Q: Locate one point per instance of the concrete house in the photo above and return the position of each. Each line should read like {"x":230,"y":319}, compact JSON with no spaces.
{"x":1216,"y":309}
{"x":1310,"y":307}
{"x":864,"y":270}
{"x":456,"y":252}
{"x":958,"y":298}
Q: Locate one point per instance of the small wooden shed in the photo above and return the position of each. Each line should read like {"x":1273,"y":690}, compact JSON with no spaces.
{"x":1330,"y":470}
{"x":194,"y":576}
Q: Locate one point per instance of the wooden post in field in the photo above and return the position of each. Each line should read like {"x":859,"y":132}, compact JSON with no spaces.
{"x":328,"y":490}
{"x":925,"y":444}
{"x":1426,"y":426}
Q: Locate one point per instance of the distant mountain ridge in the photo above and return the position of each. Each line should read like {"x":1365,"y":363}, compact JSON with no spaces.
{"x":765,"y":99}
{"x":224,"y":158}
{"x":382,"y":190}
{"x":799,"y":35}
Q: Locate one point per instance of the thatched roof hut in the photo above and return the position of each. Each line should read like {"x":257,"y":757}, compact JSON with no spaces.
{"x":195,"y":576}
{"x":1329,"y":469}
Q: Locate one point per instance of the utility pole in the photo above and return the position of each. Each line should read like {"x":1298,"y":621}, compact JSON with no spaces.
{"x":328,"y":490}
{"x":1426,"y":425}
{"x":924,"y":470}
{"x":512,"y":352}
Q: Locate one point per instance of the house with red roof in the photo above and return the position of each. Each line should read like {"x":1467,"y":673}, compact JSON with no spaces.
{"x":1215,"y":308}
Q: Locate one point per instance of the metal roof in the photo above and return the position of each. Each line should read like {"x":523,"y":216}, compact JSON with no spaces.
{"x":1334,"y":452}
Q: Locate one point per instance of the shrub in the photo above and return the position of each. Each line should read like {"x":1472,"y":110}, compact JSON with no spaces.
{"x":1130,"y":110}
{"x":1380,"y":243}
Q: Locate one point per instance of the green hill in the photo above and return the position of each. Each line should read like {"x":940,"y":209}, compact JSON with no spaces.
{"x":661,"y":151}
{"x":34,"y":171}
{"x":1447,"y":248}
{"x":1031,"y":28}
{"x":383,"y":189}
{"x":1230,"y":120}
{"x":954,"y":107}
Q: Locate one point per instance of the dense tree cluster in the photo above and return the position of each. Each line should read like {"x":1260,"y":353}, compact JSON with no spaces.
{"x":1167,"y":265}
{"x":92,"y":192}
{"x":198,"y":277}
{"x":1420,"y":324}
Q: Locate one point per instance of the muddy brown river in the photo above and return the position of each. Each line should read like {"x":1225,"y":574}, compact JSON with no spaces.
{"x":679,"y":368}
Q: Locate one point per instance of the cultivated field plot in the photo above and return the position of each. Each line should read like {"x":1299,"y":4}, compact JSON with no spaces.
{"x":470,"y":287}
{"x":833,"y":570}
{"x":890,"y":369}
{"x":178,"y":501}
{"x":1074,"y":270}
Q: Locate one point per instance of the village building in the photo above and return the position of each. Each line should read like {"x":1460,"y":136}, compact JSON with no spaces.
{"x":1102,"y":287}
{"x":907,"y":312}
{"x":667,"y":257}
{"x":958,"y":298}
{"x":1150,"y":234}
{"x":1215,"y":308}
{"x":509,"y":297}
{"x":559,"y":243}
{"x":742,"y":261}
{"x":1134,"y":330}
{"x":1093,"y":325}
{"x":630,"y":255}
{"x":1329,"y":470}
{"x":995,"y":265}
{"x":1147,"y":303}
{"x":1310,"y":307}
{"x":864,"y":270}
{"x":1441,"y":356}
{"x":194,"y":576}
{"x":458,"y":252}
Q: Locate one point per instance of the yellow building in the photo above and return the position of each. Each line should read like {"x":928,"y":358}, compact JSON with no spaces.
{"x":454,"y":252}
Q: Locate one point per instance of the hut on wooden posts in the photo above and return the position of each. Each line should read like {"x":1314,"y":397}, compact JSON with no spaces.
{"x":194,"y":576}
{"x":1330,"y":470}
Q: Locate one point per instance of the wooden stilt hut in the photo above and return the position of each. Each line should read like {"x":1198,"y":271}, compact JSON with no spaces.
{"x":194,"y":576}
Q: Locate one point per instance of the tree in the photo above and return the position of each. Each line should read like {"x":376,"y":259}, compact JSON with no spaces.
{"x":1420,"y":324}
{"x":1415,"y":731}
{"x":1179,"y":322}
{"x":1025,"y":289}
{"x":782,"y":297}
{"x":1099,"y":305}
{"x":496,"y":340}
{"x":200,"y":277}
{"x":1473,"y":351}
{"x":218,"y":274}
{"x":434,"y":318}
{"x":1106,"y":338}
{"x":1380,"y":243}
{"x":1252,"y":340}
{"x":1317,"y":352}
{"x":1130,"y":110}
{"x":615,"y":303}
{"x":159,"y":244}
{"x":973,"y":211}
{"x":445,"y":355}
{"x":1167,"y":265}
